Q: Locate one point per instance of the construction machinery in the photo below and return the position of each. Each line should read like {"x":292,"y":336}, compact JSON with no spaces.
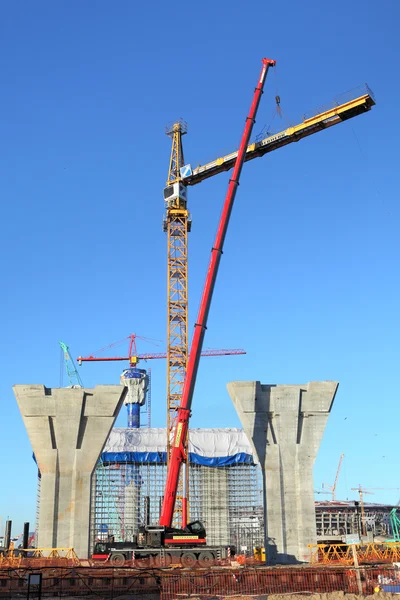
{"x":333,"y":487}
{"x":162,"y":546}
{"x":72,"y":373}
{"x":176,"y":198}
{"x":138,"y":380}
{"x":395,"y":525}
{"x":177,"y":225}
{"x":134,"y":358}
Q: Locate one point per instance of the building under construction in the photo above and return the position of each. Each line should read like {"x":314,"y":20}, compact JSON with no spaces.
{"x":224,"y":482}
{"x":225,"y":490}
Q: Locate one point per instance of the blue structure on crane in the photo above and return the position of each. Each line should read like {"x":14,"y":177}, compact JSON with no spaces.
{"x":137,"y":382}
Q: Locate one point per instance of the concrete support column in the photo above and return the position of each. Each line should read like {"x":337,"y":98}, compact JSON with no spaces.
{"x":285,"y":424}
{"x":67,"y":428}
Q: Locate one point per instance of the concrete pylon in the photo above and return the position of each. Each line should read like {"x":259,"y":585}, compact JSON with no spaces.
{"x":67,"y":428}
{"x":285,"y":424}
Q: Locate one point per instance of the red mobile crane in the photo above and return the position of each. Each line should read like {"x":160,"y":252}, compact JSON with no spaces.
{"x":177,"y":452}
{"x":160,"y":544}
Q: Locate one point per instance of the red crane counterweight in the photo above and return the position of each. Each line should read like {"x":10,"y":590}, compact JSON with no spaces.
{"x":177,"y":453}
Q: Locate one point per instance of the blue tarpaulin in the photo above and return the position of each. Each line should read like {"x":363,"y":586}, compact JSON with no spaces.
{"x":161,"y":458}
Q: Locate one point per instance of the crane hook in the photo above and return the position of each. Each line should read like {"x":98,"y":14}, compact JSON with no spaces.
{"x":278,"y":105}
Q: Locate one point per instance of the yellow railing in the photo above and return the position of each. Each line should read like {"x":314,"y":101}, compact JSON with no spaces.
{"x":15,"y":558}
{"x":324,"y":554}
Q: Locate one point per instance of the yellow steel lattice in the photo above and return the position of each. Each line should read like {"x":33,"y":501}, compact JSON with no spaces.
{"x":177,"y":227}
{"x":330,"y":554}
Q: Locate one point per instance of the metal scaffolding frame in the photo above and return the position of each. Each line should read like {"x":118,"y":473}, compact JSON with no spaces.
{"x":227,"y":499}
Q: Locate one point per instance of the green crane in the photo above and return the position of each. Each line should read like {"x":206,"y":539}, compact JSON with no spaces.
{"x":73,"y":375}
{"x":395,"y":525}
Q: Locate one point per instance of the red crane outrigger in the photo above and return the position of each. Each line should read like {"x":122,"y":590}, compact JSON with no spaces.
{"x":177,"y":452}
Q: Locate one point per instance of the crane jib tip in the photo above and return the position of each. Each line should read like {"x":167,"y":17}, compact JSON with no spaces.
{"x":269,"y":61}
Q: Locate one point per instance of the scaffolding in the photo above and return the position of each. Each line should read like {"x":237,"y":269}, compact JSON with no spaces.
{"x":226,"y":491}
{"x":335,"y":520}
{"x":225,"y":485}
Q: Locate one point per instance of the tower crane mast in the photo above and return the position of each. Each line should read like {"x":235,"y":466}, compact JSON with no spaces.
{"x":177,"y":225}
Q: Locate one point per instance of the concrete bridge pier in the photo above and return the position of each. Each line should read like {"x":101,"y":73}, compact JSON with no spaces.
{"x":67,"y":428}
{"x":285,"y":425}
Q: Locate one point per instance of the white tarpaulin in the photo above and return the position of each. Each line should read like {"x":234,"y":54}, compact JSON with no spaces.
{"x":137,"y":387}
{"x":203,"y":442}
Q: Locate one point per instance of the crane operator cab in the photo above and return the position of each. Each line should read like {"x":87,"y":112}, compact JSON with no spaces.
{"x":175,"y":195}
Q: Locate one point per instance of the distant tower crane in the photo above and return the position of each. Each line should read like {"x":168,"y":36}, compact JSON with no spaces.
{"x":137,"y":380}
{"x":333,"y":487}
{"x":177,"y":225}
{"x":362,"y":491}
{"x":72,"y":373}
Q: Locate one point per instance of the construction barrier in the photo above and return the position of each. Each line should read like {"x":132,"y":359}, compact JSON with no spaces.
{"x":81,"y":582}
{"x":333,"y":554}
{"x":38,"y":557}
{"x":204,"y":584}
{"x":266,"y":581}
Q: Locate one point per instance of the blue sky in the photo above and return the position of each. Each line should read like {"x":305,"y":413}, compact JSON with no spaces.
{"x":309,"y":281}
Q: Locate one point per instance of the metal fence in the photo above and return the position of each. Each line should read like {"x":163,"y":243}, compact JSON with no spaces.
{"x":259,"y":582}
{"x":202,"y":584}
{"x":82,"y":582}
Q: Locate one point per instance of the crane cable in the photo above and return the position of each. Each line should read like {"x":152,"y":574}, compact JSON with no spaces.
{"x":278,"y":108}
{"x":277,"y":96}
{"x":266,"y":130}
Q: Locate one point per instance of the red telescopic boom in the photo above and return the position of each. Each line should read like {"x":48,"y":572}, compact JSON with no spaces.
{"x":177,"y":452}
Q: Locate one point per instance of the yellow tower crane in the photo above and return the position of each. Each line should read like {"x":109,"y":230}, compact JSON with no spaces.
{"x":177,"y":224}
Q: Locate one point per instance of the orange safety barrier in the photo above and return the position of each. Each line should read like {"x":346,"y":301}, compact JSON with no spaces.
{"x":39,"y":557}
{"x":111,"y":582}
{"x":263,"y":581}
